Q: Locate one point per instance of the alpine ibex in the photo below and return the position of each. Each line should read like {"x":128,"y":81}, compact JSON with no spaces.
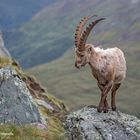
{"x":108,"y":65}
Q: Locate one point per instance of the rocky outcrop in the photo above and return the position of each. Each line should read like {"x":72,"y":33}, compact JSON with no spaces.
{"x":23,"y":100}
{"x":88,"y":124}
{"x":3,"y":51}
{"x":26,"y":104}
{"x":16,"y":103}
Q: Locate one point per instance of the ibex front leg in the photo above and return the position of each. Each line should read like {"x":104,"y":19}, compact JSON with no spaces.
{"x":103,"y":101}
{"x":113,"y":94}
{"x":105,"y":108}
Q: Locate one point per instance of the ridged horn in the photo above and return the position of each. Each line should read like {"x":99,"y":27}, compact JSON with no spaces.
{"x":86,"y":33}
{"x":79,"y":29}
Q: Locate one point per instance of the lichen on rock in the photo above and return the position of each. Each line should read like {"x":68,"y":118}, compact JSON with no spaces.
{"x":88,"y":124}
{"x":16,"y":103}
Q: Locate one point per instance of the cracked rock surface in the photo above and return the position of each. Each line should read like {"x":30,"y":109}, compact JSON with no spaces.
{"x":88,"y":124}
{"x":16,"y":103}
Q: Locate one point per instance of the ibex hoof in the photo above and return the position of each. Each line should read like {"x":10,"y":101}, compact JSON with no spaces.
{"x":113,"y":108}
{"x":100,"y":109}
{"x":105,"y":110}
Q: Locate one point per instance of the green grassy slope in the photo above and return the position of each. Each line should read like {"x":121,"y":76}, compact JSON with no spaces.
{"x":50,"y":32}
{"x":27,"y":132}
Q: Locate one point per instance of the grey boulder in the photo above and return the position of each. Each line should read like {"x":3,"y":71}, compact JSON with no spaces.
{"x":16,"y":103}
{"x":88,"y":124}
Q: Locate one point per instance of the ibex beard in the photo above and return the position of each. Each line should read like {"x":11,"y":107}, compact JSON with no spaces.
{"x":108,"y":66}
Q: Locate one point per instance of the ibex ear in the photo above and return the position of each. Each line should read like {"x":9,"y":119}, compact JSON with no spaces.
{"x":90,"y":49}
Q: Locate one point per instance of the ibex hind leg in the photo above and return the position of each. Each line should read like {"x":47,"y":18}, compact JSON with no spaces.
{"x":113,"y":96}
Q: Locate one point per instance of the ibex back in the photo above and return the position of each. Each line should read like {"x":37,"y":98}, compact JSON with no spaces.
{"x":108,"y":65}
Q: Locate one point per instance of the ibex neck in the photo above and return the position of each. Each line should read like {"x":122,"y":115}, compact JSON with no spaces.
{"x":94,"y":59}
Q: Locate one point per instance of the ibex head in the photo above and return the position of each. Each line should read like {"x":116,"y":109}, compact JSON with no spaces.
{"x":83,"y":50}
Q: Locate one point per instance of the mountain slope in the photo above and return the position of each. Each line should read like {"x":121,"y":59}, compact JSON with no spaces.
{"x":51,"y":31}
{"x":14,"y":13}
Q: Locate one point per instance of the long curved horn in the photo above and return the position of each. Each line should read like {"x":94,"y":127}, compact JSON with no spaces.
{"x":79,"y":29}
{"x":86,"y":33}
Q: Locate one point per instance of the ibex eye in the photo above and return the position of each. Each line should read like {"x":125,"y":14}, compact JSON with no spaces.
{"x":82,"y":55}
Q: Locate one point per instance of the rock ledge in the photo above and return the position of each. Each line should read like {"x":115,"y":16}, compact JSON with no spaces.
{"x":88,"y":124}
